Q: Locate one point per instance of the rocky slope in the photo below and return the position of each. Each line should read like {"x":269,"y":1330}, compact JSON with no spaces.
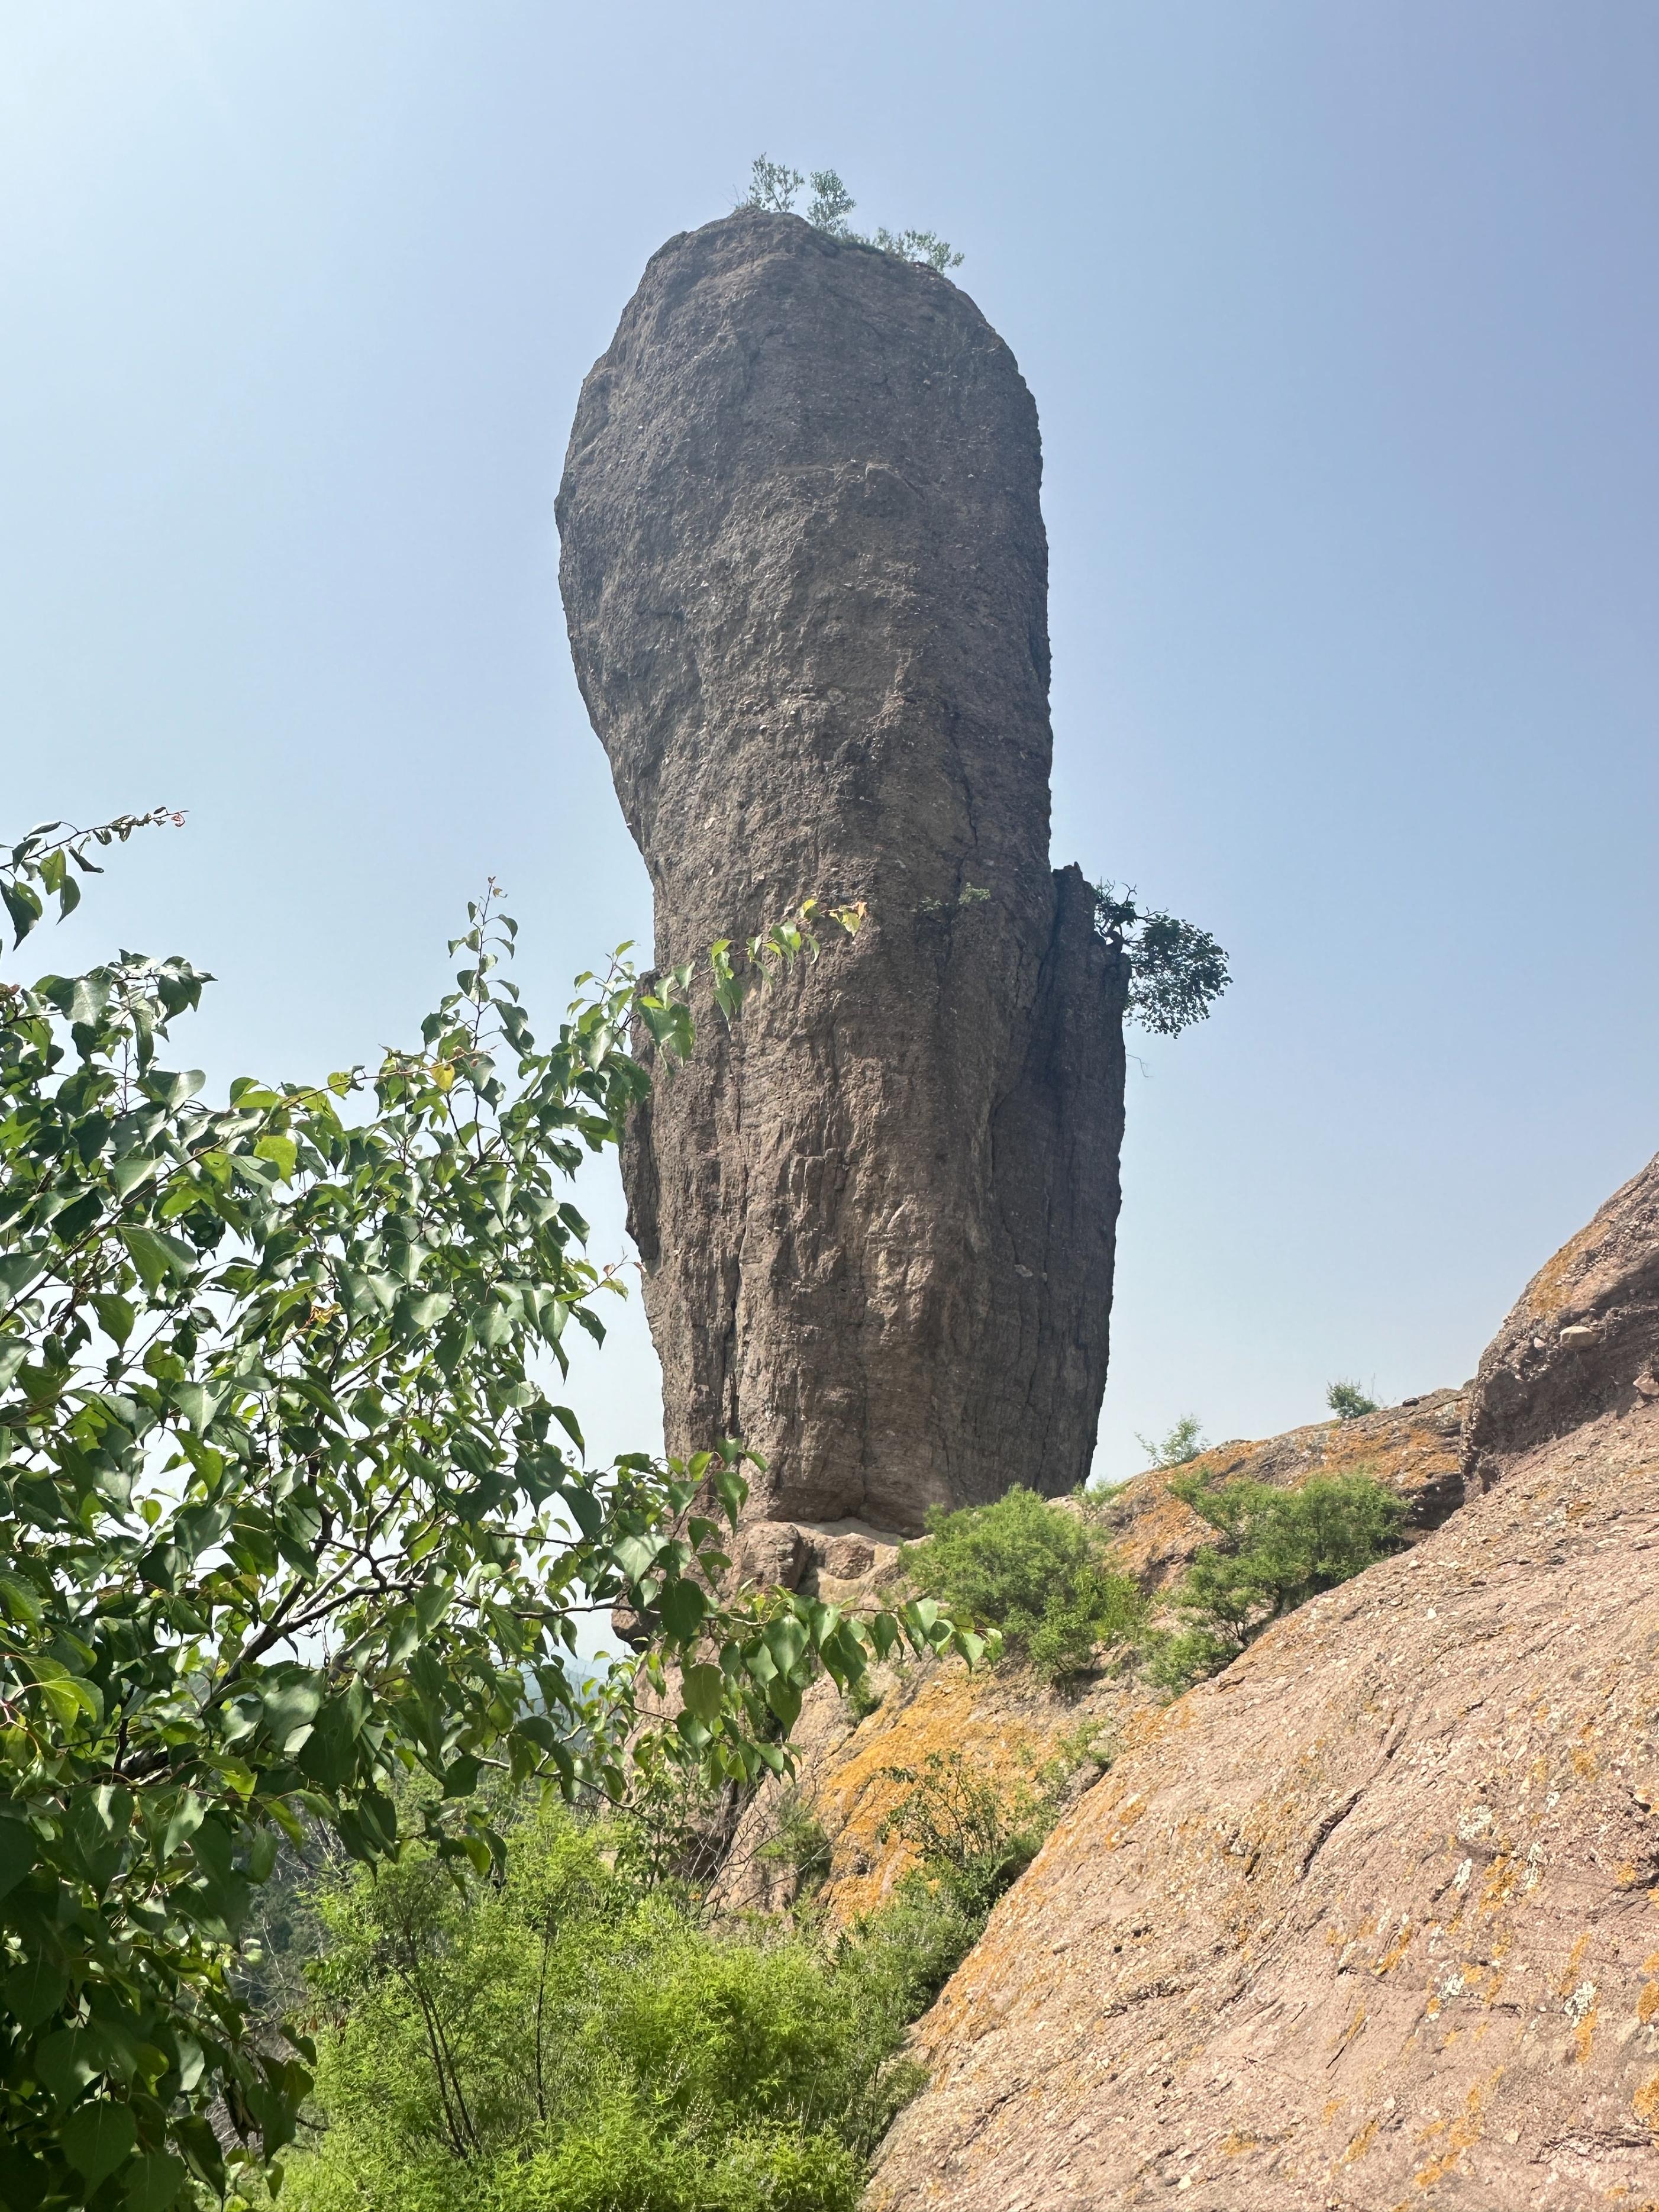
{"x":1415,"y":1447}
{"x":1370,"y":1920}
{"x":804,"y":572}
{"x":1010,"y":1725}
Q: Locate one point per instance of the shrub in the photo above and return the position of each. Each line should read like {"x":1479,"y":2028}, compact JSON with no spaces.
{"x":1183,"y":1444}
{"x":1348,"y":1401}
{"x":1176,"y":970}
{"x":972,"y":1833}
{"x":561,"y":2040}
{"x":774,"y":186}
{"x":1041,"y":1575}
{"x":1277,"y":1548}
{"x":799,"y":1841}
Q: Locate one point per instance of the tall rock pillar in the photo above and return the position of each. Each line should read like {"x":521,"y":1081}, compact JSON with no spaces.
{"x":806,"y":578}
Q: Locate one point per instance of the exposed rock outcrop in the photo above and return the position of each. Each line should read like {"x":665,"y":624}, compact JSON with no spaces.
{"x":1415,"y":1447}
{"x":1008,"y":1722}
{"x":1369,"y":1920}
{"x":805,"y":574}
{"x":1582,"y":1338}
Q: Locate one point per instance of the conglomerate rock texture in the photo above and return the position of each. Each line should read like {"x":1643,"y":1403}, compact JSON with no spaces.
{"x":1370,"y":1920}
{"x":804,"y":572}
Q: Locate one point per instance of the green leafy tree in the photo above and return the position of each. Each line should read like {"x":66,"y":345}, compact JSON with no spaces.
{"x":1275,"y":1550}
{"x":1348,"y":1401}
{"x":775,"y":188}
{"x":288,"y":1512}
{"x":1176,"y":970}
{"x":1039,"y":1574}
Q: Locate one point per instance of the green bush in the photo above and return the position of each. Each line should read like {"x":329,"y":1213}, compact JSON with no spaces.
{"x":973,"y":1834}
{"x":799,"y":1841}
{"x":1040,"y":1575}
{"x":1276,"y":1549}
{"x":561,"y":2040}
{"x":1348,"y":1401}
{"x":774,"y":186}
{"x":1182,"y":1444}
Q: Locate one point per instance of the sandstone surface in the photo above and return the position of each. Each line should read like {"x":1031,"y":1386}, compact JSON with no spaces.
{"x":804,"y":572}
{"x":1370,"y":1920}
{"x":1582,"y":1336}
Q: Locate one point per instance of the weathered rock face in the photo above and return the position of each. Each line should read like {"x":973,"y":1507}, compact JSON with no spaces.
{"x":1583,"y":1336}
{"x":804,"y":572}
{"x":1368,"y":1919}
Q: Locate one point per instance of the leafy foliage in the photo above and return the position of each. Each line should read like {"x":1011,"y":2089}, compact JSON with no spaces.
{"x":565,"y":2040}
{"x":1182,"y":1444}
{"x":1041,"y":1575}
{"x":799,"y":1841}
{"x":1276,"y":1549}
{"x":288,"y":1512}
{"x":1176,"y":970}
{"x":775,"y":188}
{"x":1348,"y":1401}
{"x":973,"y":1831}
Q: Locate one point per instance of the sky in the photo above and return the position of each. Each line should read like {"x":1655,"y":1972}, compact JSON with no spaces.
{"x":1343,"y":325}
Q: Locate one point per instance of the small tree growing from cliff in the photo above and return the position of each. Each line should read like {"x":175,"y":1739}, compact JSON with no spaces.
{"x":1176,"y":970}
{"x":1348,"y":1401}
{"x":1183,"y":1444}
{"x":775,"y":187}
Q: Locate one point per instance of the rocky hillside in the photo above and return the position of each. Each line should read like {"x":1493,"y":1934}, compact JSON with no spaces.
{"x":1415,"y":1447}
{"x":1369,"y":1920}
{"x":1014,"y":1728}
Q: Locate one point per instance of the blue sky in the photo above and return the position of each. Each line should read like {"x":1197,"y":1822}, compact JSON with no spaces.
{"x":1342,"y":325}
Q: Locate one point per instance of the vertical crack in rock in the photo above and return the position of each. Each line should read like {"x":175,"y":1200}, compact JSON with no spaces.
{"x":805,"y":577}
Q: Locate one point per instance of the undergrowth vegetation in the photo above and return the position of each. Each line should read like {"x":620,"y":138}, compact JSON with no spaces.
{"x":1040,"y":1574}
{"x":1044,"y":1574}
{"x":573,"y":2034}
{"x":1274,"y":1549}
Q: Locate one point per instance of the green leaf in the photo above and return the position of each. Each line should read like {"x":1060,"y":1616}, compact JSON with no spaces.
{"x":97,"y":2137}
{"x":19,"y":1271}
{"x":20,"y":1603}
{"x":34,"y":1991}
{"x":22,"y":905}
{"x":116,"y":1315}
{"x":290,"y":1706}
{"x":157,"y":1255}
{"x":703,"y":1692}
{"x":157,"y":2180}
{"x":282,"y":1151}
{"x":783,"y":1696}
{"x":18,"y":1852}
{"x":682,"y":1609}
